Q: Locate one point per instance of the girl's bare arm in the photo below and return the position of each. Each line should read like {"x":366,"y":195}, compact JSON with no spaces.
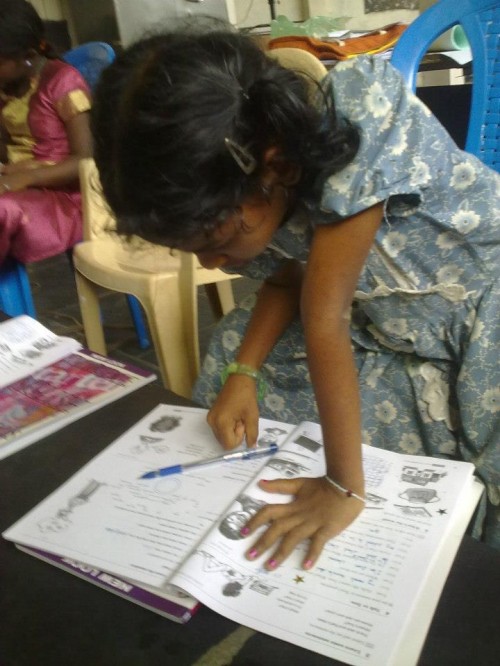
{"x":319,"y":511}
{"x":235,"y":414}
{"x":64,"y":173}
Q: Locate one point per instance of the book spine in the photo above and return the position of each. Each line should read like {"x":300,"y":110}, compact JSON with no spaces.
{"x":112,"y":583}
{"x":112,"y":362}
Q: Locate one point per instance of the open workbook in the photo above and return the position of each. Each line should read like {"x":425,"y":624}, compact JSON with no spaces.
{"x":47,"y":381}
{"x":368,"y":601}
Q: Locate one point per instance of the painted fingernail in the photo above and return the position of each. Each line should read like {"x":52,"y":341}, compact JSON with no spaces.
{"x":264,"y":481}
{"x":308,"y":564}
{"x":272,"y":564}
{"x":244,"y":531}
{"x":253,"y":554}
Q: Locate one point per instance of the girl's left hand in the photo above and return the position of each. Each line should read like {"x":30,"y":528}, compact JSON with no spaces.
{"x":318,"y":513}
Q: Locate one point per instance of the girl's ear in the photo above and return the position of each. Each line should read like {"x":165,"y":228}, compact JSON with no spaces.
{"x":277,"y":169}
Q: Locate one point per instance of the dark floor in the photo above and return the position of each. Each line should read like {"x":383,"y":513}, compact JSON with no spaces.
{"x":56,"y":303}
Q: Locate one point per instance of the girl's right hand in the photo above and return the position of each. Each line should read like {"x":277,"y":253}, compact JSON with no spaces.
{"x":14,"y":183}
{"x":19,"y":167}
{"x":235,"y":414}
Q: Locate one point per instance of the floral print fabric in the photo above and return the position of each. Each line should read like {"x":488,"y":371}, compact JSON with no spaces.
{"x":425,"y":319}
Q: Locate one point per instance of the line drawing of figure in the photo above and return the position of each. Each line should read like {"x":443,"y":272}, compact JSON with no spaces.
{"x":308,"y":443}
{"x":285,"y":467}
{"x":413,"y":510}
{"x":44,"y":343}
{"x":32,"y":353}
{"x":421,"y":476}
{"x":420,"y":495}
{"x":61,"y":520}
{"x":149,"y":440}
{"x":262,"y":588}
{"x":148,"y":443}
{"x":374,"y":500}
{"x":165,"y":423}
{"x":270,"y":435}
{"x":230,"y":526}
{"x":236,"y":580}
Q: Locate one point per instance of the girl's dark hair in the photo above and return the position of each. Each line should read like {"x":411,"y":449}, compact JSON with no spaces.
{"x":163,"y":110}
{"x":21,"y":30}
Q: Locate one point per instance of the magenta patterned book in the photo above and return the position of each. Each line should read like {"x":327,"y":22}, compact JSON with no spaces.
{"x":49,"y":396}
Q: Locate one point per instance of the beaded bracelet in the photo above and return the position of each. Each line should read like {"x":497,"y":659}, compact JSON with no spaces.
{"x":236,"y":368}
{"x":346,"y":491}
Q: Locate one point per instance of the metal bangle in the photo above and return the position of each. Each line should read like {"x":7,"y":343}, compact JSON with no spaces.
{"x":347,"y":492}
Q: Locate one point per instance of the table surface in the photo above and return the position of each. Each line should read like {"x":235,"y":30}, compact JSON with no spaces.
{"x":49,"y":617}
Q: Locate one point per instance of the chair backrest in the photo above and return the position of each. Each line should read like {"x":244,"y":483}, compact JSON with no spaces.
{"x":301,"y":62}
{"x":90,"y":59}
{"x":480,"y":20}
{"x":98,"y":220}
{"x":99,"y":223}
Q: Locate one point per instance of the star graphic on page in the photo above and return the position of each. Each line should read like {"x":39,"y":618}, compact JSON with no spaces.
{"x":299,"y":579}
{"x":442,"y":512}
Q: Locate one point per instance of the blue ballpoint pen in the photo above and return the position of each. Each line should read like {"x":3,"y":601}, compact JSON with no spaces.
{"x":247,"y":454}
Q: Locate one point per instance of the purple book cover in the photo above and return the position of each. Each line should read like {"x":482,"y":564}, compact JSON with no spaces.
{"x":180,"y":611}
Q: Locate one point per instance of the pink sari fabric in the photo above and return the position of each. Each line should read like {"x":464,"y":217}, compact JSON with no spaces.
{"x":40,"y":223}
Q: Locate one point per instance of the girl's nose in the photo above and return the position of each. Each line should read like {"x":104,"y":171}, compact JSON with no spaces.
{"x":209,"y":260}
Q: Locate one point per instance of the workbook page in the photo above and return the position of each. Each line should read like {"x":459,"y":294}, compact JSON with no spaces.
{"x":142,"y":529}
{"x":354,"y":604}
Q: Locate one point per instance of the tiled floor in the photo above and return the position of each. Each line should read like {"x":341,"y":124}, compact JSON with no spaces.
{"x":56,"y":302}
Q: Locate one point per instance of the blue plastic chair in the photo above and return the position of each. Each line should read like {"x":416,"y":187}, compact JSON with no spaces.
{"x":15,"y":290}
{"x":480,"y":20}
{"x":90,"y":59}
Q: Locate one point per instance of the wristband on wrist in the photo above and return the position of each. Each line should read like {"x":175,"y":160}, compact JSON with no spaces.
{"x":346,"y":491}
{"x":236,"y":368}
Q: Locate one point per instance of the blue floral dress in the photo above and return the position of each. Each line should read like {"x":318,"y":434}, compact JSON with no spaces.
{"x":425,"y":319}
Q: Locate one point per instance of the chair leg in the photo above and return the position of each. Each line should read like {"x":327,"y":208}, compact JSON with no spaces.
{"x":226,"y":296}
{"x":140,"y":327}
{"x":165,"y":321}
{"x":69,"y":257}
{"x":188,"y":292}
{"x":221,"y":297}
{"x":15,"y":289}
{"x":91,"y":314}
{"x":214,"y":299}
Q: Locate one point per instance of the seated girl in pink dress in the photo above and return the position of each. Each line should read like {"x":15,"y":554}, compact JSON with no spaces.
{"x":44,"y":132}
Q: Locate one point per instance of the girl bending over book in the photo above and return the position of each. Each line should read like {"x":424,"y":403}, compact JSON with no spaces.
{"x":376,"y":239}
